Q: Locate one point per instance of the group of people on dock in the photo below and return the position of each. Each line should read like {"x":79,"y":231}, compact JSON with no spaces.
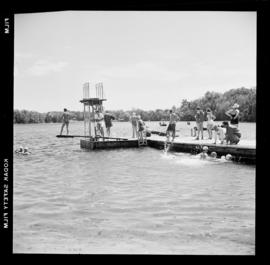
{"x":105,"y":120}
{"x":101,"y":120}
{"x":228,"y":132}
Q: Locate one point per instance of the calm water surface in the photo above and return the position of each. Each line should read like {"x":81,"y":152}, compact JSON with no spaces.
{"x":68,"y":200}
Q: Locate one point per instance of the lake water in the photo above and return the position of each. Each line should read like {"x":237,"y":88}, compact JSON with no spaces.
{"x":69,"y":200}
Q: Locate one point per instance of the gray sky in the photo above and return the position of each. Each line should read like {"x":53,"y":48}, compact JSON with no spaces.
{"x":145,"y":60}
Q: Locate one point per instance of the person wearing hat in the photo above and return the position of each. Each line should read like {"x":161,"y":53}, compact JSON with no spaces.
{"x":199,"y":117}
{"x":233,"y":113}
{"x":203,"y":154}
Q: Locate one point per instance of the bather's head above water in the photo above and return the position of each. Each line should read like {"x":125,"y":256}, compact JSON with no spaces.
{"x":228,"y":157}
{"x":213,"y":155}
{"x":205,"y":149}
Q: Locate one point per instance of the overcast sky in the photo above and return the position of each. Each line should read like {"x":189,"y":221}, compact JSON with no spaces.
{"x":145,"y":60}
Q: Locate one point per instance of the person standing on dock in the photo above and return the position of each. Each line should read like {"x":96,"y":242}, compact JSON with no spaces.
{"x":233,"y":113}
{"x":210,"y":122}
{"x":134,"y":123}
{"x":99,"y":118}
{"x":65,"y":120}
{"x":199,"y":117}
{"x":171,"y":127}
{"x":108,"y":122}
{"x":141,"y":127}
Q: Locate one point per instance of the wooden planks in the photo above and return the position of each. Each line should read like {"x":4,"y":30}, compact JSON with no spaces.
{"x":93,"y":145}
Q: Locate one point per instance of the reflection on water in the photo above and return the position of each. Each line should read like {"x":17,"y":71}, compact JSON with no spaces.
{"x":68,"y":200}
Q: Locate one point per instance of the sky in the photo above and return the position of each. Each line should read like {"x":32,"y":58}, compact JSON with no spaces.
{"x":145,"y":59}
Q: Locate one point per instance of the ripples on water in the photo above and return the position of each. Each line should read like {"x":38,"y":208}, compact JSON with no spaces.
{"x":68,"y":200}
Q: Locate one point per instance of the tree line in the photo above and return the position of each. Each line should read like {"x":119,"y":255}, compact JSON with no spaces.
{"x":219,"y":103}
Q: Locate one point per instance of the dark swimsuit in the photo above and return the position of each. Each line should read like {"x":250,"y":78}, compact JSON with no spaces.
{"x":233,"y":120}
{"x":141,"y":125}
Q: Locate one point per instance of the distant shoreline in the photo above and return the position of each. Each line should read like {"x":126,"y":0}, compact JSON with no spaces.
{"x":186,"y":110}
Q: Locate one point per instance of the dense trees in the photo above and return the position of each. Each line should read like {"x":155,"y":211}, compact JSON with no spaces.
{"x":219,"y":103}
{"x":25,"y":116}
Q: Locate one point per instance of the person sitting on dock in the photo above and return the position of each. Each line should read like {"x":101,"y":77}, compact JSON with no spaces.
{"x":134,"y":121}
{"x":234,"y":115}
{"x":99,"y":118}
{"x":199,"y":117}
{"x":171,"y":127}
{"x":108,"y":122}
{"x":232,"y":135}
{"x":65,"y":120}
{"x":141,"y":127}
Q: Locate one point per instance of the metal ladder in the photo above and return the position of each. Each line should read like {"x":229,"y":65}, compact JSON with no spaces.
{"x":142,"y":142}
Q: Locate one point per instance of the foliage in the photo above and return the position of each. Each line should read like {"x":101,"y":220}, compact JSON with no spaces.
{"x":217,"y":102}
{"x":220,"y":103}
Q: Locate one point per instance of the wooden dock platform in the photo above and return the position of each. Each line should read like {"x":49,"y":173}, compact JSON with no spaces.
{"x":110,"y":144}
{"x":244,"y":152}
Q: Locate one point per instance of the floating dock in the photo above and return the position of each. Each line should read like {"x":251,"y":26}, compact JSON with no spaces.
{"x":93,"y":138}
{"x":243,"y":152}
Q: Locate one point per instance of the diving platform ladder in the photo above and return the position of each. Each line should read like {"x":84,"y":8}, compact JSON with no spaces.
{"x":143,"y":141}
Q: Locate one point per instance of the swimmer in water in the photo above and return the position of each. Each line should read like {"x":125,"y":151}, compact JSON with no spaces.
{"x":203,"y":154}
{"x":20,"y":150}
{"x":213,"y":155}
{"x":26,"y":152}
{"x":23,"y":151}
{"x":228,"y":157}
